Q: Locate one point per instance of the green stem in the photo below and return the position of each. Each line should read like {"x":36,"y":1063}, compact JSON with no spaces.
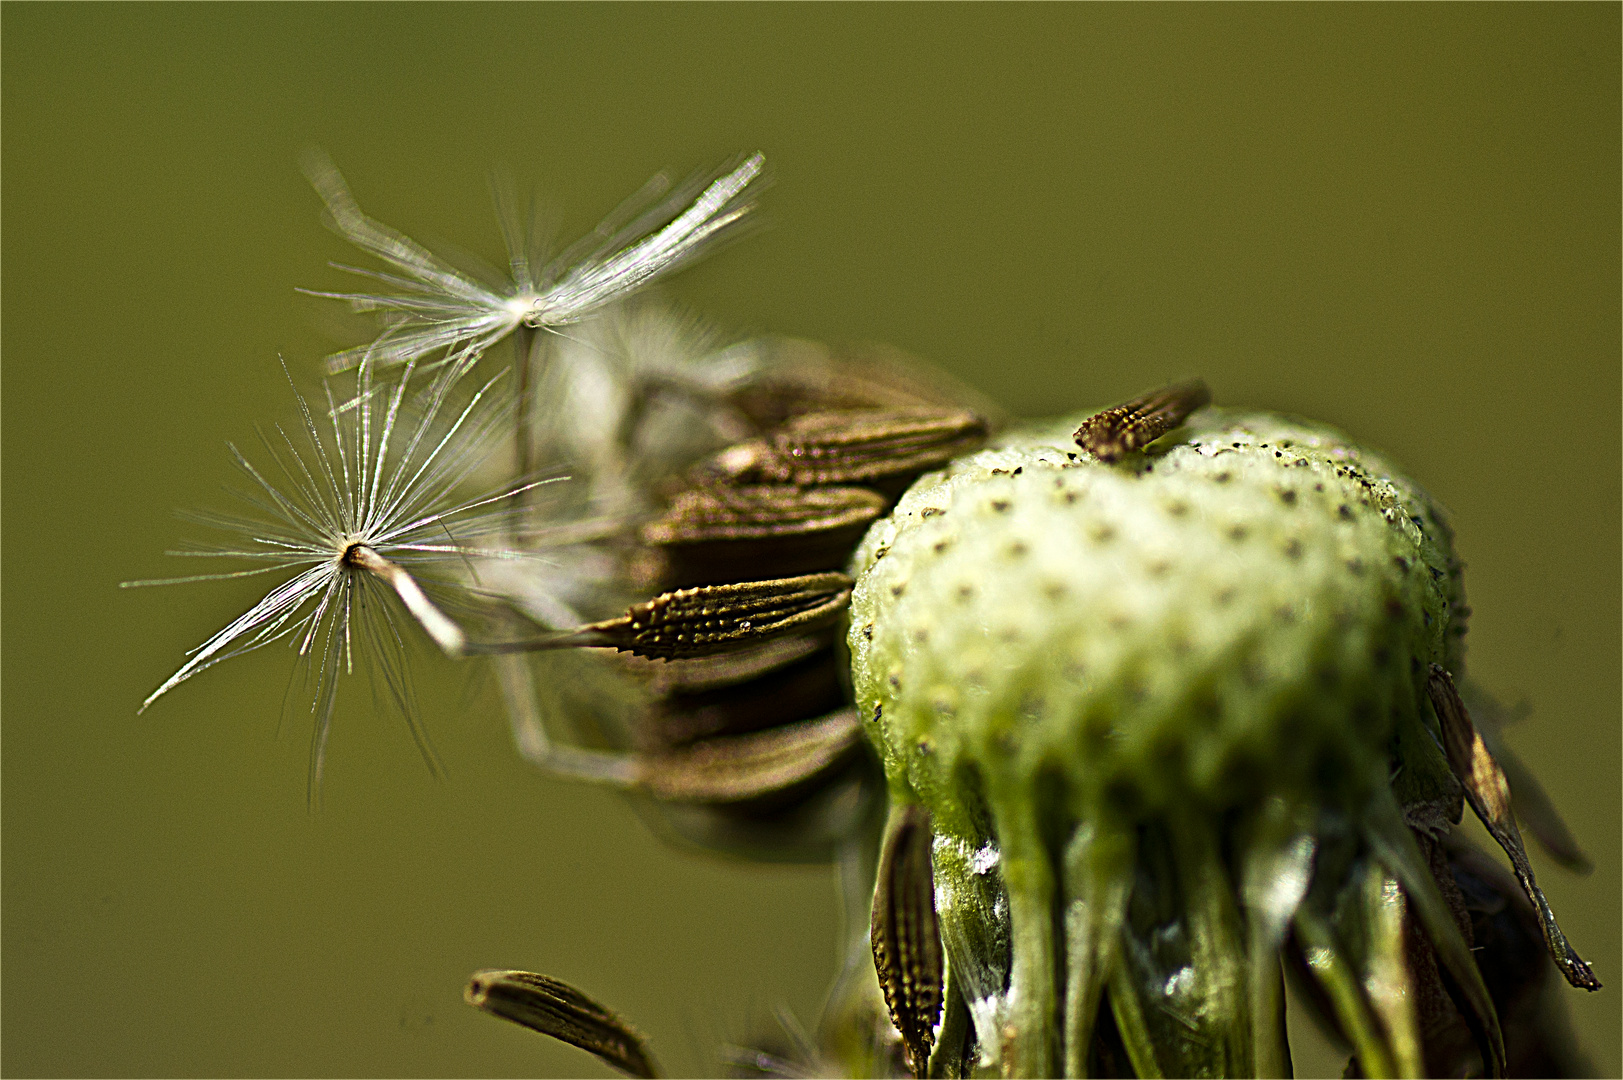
{"x":1276,"y":869}
{"x":1386,"y":973}
{"x":1396,"y":849}
{"x":1028,"y":1038}
{"x":1216,"y":945}
{"x":947,"y":1063}
{"x":523,"y":346}
{"x":1098,"y":874}
{"x":1332,"y":971}
{"x":1135,"y":1032}
{"x":1270,"y":1045}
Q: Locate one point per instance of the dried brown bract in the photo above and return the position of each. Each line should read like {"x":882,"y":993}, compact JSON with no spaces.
{"x":707,"y":533}
{"x":798,"y":680}
{"x":1489,"y":795}
{"x":739,"y":768}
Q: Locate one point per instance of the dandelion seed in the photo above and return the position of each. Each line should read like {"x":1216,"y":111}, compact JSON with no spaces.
{"x":437,"y":307}
{"x":355,"y":517}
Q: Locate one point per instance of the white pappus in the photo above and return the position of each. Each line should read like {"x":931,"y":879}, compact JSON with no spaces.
{"x":437,"y":307}
{"x":351,"y":520}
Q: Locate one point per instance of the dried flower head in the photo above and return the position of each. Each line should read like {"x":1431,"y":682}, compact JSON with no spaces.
{"x":437,"y":308}
{"x":1162,"y":711}
{"x":350,"y":520}
{"x":1176,"y":708}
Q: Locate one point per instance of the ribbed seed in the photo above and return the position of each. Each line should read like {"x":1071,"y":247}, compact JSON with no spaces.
{"x":707,"y":533}
{"x":803,"y":377}
{"x":862,"y":446}
{"x":737,"y":768}
{"x":1134,"y":424}
{"x":785,"y":694}
{"x":906,"y":937}
{"x":1489,"y":795}
{"x":702,"y":674}
{"x":718,"y":618}
{"x":557,"y":1009}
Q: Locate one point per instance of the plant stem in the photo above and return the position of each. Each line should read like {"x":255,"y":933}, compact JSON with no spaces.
{"x":523,"y":365}
{"x":446,"y":634}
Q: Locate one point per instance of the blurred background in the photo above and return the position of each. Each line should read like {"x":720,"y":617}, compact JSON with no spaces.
{"x":1402,"y":220}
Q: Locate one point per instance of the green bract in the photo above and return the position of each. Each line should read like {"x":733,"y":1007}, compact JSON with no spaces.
{"x":1161,"y":711}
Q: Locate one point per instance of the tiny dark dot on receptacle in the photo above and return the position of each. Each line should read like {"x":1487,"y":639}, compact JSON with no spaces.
{"x":1345,"y":511}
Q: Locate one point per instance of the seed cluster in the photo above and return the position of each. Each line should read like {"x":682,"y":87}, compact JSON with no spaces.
{"x":747,"y":731}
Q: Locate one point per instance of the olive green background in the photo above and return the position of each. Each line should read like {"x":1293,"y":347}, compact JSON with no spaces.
{"x":1403,"y":220}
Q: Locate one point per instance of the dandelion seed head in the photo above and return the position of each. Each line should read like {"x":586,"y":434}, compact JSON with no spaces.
{"x":362,"y":513}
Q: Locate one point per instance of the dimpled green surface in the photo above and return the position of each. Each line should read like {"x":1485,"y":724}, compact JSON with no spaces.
{"x":1245,"y":609}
